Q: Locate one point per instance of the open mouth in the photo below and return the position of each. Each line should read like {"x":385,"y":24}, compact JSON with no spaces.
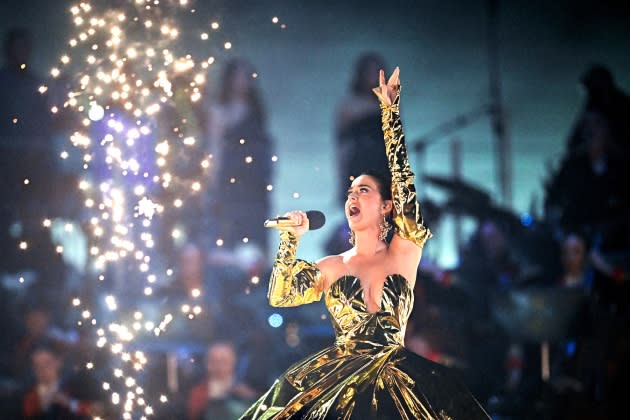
{"x":353,"y":211}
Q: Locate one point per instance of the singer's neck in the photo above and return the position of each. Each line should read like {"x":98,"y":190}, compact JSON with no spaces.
{"x":366,"y":242}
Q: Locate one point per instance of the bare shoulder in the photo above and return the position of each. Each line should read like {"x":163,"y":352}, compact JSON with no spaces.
{"x":330,"y":262}
{"x":406,"y":257}
{"x":404,"y":247}
{"x":330,"y":267}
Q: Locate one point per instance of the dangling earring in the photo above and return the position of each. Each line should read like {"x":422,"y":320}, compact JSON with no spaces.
{"x":351,"y":239}
{"x":384,"y":228}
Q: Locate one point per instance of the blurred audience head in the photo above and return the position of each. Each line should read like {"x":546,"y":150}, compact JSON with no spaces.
{"x":238,"y":83}
{"x":573,"y":254}
{"x":36,"y":320}
{"x":599,"y":83}
{"x":190,"y":268}
{"x":493,"y":239}
{"x":366,"y":73}
{"x":221,"y":361}
{"x":46,"y":363}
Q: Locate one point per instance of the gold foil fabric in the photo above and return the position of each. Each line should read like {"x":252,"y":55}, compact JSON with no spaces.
{"x":293,"y":282}
{"x":407,"y":216}
{"x":367,"y":374}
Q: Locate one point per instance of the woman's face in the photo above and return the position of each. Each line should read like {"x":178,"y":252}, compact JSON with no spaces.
{"x":365,"y":206}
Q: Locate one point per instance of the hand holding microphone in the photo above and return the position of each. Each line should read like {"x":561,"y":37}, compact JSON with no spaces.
{"x":298,"y":222}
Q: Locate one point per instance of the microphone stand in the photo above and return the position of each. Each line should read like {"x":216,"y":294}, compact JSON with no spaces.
{"x":444,"y":129}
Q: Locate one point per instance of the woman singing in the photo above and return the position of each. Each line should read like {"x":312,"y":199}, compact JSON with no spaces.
{"x":368,"y":290}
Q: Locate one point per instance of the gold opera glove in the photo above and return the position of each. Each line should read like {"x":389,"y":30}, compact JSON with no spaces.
{"x":293,"y":282}
{"x":406,"y":215}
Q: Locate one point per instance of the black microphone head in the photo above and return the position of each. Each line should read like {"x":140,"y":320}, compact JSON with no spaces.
{"x":316,"y":219}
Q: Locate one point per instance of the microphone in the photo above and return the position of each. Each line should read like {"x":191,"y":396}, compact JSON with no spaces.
{"x":316,"y":220}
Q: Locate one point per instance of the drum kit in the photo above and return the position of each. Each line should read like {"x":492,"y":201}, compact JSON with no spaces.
{"x":534,"y":314}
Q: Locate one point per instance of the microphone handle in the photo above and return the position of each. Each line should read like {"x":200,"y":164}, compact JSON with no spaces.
{"x":316,"y":221}
{"x":279,"y":222}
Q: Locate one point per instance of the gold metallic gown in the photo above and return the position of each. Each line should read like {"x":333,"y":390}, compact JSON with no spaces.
{"x":367,"y":373}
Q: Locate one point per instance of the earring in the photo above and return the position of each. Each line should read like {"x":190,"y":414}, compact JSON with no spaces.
{"x":351,"y":239}
{"x":384,"y":228}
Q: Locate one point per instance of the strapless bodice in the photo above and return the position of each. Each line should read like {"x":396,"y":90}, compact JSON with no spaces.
{"x":354,"y":323}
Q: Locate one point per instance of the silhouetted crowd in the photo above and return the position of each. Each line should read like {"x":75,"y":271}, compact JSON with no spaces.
{"x":533,"y":316}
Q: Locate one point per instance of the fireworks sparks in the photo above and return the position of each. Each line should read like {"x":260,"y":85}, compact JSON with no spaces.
{"x":276,"y":21}
{"x":133,"y":84}
{"x":147,"y":208}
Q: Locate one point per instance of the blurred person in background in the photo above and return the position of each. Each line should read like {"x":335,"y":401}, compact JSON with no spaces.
{"x":195,"y":286}
{"x":241,"y":165}
{"x":29,"y":170}
{"x":604,"y":97}
{"x":358,"y":134}
{"x":38,"y":326}
{"x":49,"y":398}
{"x":590,"y":190}
{"x":219,"y":395}
{"x":574,"y":263}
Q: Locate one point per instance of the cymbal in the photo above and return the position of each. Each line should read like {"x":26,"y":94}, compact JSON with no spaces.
{"x":468,"y":199}
{"x":458,"y":187}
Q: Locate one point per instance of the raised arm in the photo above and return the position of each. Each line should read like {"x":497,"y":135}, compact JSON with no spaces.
{"x":406,"y":210}
{"x":293,"y":282}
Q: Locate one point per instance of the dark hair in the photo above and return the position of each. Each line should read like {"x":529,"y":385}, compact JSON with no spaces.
{"x":577,"y":233}
{"x":48,"y":346}
{"x":384,"y":184}
{"x":253,"y":97}
{"x":218,"y":343}
{"x":16,"y":34}
{"x":383,"y":181}
{"x":358,"y":87}
{"x":597,"y":76}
